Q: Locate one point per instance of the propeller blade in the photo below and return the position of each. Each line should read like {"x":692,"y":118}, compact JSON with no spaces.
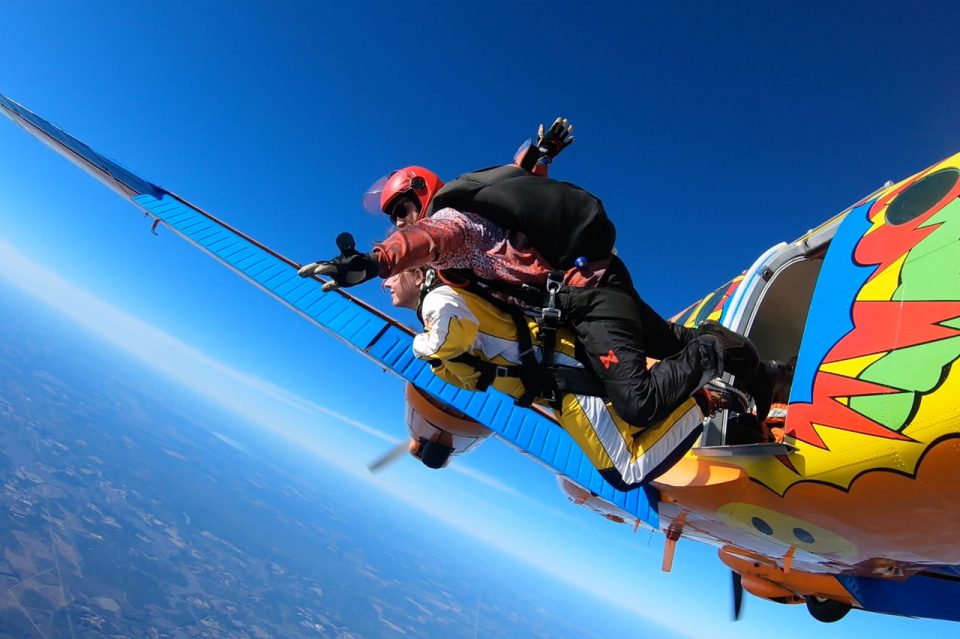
{"x":391,"y":456}
{"x":737,"y":594}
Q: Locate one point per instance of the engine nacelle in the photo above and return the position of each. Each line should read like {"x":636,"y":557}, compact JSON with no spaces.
{"x":765,"y":589}
{"x":439,"y":431}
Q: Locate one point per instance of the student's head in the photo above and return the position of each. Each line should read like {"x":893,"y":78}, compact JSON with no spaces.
{"x":405,"y":288}
{"x":403,"y":195}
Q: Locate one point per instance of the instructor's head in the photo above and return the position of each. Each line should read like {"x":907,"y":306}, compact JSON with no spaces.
{"x":404,"y":195}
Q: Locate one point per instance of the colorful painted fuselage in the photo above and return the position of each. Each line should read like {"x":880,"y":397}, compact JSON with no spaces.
{"x":873,"y":488}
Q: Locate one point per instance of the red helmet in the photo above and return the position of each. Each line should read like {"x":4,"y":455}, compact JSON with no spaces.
{"x":416,"y":182}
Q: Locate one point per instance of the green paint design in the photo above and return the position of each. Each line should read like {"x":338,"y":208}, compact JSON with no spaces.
{"x":931,"y":272}
{"x":890,"y":410}
{"x":916,"y":368}
{"x":932,"y":268}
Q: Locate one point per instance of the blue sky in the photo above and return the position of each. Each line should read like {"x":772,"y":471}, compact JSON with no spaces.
{"x":711,"y":131}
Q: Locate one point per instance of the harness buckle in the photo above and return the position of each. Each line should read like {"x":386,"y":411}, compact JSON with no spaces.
{"x":551,"y":316}
{"x":501,"y":371}
{"x":554,"y":284}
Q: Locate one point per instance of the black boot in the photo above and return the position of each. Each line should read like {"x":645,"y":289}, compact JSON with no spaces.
{"x":744,"y":429}
{"x":759,"y":385}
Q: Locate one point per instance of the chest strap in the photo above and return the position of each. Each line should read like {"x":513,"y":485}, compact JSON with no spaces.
{"x":541,"y":380}
{"x":550,"y":317}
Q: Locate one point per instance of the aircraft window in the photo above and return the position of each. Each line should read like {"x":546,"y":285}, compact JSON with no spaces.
{"x":803,"y":535}
{"x":711,"y":304}
{"x":684,"y":316}
{"x":762,"y":526}
{"x":921,"y":196}
{"x":789,"y":530}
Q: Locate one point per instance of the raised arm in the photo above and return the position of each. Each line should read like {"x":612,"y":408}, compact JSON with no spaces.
{"x":536,"y":158}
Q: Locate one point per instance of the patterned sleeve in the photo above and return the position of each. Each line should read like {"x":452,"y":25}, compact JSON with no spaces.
{"x":448,"y":239}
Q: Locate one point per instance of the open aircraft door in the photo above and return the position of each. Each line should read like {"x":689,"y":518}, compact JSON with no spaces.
{"x":771,"y":303}
{"x":869,"y":303}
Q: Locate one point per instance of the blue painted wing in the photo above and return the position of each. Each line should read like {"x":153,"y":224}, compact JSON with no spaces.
{"x":363,"y":328}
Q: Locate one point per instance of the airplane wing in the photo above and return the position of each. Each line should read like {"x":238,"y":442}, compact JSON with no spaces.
{"x":361,"y":327}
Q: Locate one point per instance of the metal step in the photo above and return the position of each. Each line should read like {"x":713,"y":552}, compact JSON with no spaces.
{"x":745,"y":450}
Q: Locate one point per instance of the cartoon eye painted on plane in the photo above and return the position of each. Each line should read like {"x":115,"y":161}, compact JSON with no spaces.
{"x":785,"y":529}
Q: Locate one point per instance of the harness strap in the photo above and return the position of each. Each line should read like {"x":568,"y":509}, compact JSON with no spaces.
{"x":431,"y":280}
{"x":565,"y":379}
{"x":488,"y":370}
{"x":531,"y":296}
{"x":578,"y":381}
{"x":529,"y":366}
{"x":550,"y":317}
{"x":528,"y":371}
{"x":541,"y":380}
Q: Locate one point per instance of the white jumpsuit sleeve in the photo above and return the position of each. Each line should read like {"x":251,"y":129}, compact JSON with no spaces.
{"x":450,"y":328}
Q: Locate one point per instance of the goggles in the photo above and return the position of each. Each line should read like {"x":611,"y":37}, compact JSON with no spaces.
{"x":401,"y":185}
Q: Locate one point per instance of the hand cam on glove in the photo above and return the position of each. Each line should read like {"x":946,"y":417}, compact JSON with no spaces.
{"x":347,"y":269}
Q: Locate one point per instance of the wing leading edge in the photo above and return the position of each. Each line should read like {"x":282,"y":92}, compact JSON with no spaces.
{"x":361,"y":327}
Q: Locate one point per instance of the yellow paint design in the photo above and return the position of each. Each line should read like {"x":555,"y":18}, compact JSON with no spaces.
{"x":849,"y":454}
{"x":843,"y":400}
{"x":937,"y":414}
{"x":881,"y":287}
{"x":840,"y":441}
{"x":879,"y":219}
{"x":695,"y":312}
{"x":952,"y":161}
{"x":851,"y":367}
{"x":792,"y":532}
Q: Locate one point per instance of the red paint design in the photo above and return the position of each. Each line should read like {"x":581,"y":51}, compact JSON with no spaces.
{"x":879,"y":327}
{"x":608,"y":359}
{"x":825,"y":410}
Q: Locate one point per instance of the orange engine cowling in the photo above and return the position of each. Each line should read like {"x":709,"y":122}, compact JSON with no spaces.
{"x":439,"y":431}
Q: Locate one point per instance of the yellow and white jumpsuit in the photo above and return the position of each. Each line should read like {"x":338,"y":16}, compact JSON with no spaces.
{"x":458,"y":321}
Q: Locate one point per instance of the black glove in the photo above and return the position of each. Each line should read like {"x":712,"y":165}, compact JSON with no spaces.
{"x":347,"y":269}
{"x":740,"y":356}
{"x":555,"y":139}
{"x":742,"y":360}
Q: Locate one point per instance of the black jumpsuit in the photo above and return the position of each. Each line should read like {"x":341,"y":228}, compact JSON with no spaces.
{"x":617,"y":331}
